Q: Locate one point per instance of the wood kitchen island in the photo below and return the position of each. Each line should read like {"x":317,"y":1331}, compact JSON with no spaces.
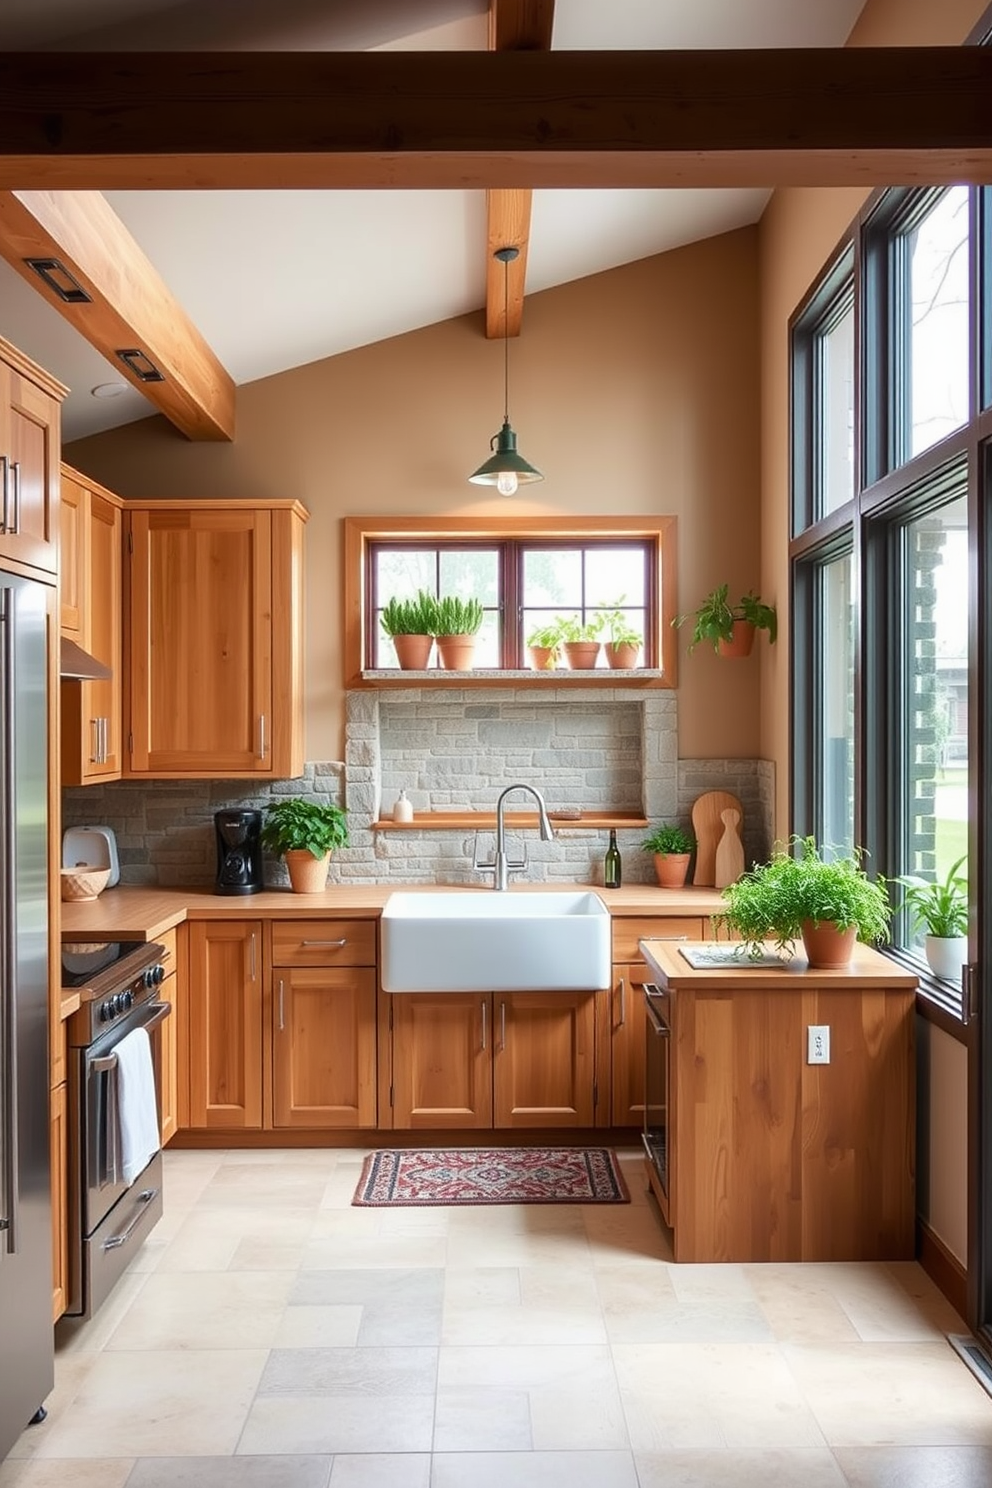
{"x":770,"y":1157}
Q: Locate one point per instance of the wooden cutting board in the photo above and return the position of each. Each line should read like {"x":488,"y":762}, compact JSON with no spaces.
{"x":708,"y":826}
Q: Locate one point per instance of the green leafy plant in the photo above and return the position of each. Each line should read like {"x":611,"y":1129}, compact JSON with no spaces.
{"x":772,"y":901}
{"x":669,"y":837}
{"x":941,"y":908}
{"x":574,"y":629}
{"x":295,"y":824}
{"x":548,"y":637}
{"x":714,"y":620}
{"x":458,"y":616}
{"x":410,"y":616}
{"x":617,"y":624}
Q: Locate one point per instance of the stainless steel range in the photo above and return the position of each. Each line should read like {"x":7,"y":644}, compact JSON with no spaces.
{"x":109,"y":1217}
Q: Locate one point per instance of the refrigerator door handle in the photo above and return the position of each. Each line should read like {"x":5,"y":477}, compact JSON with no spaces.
{"x":9,"y":1144}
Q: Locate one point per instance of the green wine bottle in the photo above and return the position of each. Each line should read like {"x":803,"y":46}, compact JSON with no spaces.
{"x":612,"y":866}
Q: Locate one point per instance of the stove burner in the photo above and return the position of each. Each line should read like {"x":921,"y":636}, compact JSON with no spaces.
{"x":82,"y":960}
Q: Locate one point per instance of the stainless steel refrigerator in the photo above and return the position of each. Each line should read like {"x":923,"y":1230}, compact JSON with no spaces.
{"x":26,"y":1349}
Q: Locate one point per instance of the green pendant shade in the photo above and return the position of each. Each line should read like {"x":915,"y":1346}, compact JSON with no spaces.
{"x":505,"y":469}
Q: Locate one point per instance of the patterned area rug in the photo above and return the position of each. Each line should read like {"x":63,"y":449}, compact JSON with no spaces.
{"x":492,"y":1175}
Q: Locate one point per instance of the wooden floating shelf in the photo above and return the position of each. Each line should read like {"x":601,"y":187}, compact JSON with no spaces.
{"x":527,"y":677}
{"x":485,"y":821}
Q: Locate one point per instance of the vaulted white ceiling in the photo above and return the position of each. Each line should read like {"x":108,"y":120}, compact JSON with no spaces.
{"x":278,"y":279}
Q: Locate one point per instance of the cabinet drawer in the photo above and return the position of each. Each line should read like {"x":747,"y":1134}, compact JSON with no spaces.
{"x":627,"y":932}
{"x":323,"y":942}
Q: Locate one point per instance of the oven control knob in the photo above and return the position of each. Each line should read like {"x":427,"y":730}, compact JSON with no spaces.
{"x":106,"y":1011}
{"x":127,"y":998}
{"x":158,"y":974}
{"x":148,"y":977}
{"x":118,"y":1002}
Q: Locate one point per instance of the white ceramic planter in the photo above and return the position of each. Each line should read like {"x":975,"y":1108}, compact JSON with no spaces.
{"x":946,"y":955}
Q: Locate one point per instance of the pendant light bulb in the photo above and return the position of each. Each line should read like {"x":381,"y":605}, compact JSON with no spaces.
{"x":505,"y":469}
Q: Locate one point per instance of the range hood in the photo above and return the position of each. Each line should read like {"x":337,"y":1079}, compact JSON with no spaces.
{"x":75,"y":662}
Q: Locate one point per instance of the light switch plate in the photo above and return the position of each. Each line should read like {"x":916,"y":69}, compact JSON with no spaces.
{"x":818,"y":1043}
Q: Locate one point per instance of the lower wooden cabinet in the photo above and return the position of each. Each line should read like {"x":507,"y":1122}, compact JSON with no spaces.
{"x":323,"y":1047}
{"x":58,"y":1141}
{"x":627,"y":1019}
{"x":477,"y":1060}
{"x":224,"y":1022}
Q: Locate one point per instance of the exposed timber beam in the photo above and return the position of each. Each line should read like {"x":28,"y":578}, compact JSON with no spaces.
{"x":514,"y":25}
{"x":434,"y":120}
{"x":129,"y":307}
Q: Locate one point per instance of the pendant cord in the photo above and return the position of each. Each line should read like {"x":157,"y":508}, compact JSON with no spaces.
{"x":506,"y":341}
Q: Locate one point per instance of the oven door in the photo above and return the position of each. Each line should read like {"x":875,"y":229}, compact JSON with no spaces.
{"x":657,"y":1094}
{"x":102,"y":1177}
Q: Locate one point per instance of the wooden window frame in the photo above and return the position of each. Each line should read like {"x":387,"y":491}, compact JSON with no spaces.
{"x":661,"y":601}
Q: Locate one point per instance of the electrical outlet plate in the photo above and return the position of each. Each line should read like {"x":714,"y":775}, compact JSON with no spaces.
{"x":818,"y":1043}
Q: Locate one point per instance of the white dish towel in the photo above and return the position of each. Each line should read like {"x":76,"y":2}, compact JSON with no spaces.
{"x":137,"y":1110}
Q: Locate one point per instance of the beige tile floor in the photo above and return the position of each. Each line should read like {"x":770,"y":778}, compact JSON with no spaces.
{"x":270,"y":1335}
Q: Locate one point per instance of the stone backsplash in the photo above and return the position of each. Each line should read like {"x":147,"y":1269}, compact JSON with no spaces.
{"x":455,"y":750}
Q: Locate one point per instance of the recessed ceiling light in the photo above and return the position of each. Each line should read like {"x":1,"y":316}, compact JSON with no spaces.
{"x":108,"y":390}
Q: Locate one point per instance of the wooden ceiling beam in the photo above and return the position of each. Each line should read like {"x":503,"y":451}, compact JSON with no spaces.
{"x":514,"y":25}
{"x":465,"y":120}
{"x":129,"y":307}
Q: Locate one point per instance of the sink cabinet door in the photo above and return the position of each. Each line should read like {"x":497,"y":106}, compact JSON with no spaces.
{"x":225,"y":1024}
{"x":442,"y":1060}
{"x":544,"y":1062}
{"x":323,"y":1047}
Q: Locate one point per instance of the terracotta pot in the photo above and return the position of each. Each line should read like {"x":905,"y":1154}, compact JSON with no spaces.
{"x":581,"y":655}
{"x":827,"y":948}
{"x":413,"y":652}
{"x":455,"y":652}
{"x":624,"y":654}
{"x":542,"y":658}
{"x":307,"y":874}
{"x":740,"y":643}
{"x":946,"y":955}
{"x":671,"y":869}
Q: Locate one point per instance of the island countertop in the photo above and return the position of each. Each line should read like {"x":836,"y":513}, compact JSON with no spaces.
{"x":867,"y":968}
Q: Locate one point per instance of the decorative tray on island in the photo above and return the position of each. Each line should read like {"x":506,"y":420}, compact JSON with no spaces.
{"x":713,"y":953}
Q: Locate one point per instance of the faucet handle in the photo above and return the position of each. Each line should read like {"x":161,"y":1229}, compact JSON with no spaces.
{"x":488,"y":865}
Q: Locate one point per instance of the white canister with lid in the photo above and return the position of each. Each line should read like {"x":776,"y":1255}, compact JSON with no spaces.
{"x":402,"y":808}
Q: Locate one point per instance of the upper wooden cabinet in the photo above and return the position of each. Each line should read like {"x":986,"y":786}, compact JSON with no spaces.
{"x":213,"y":599}
{"x":30,"y":434}
{"x":91,"y":614}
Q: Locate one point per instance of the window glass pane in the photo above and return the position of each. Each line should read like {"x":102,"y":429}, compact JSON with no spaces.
{"x":615,"y":576}
{"x":936,"y":284}
{"x":553,"y":578}
{"x":935,"y":706}
{"x":835,"y":786}
{"x":834,"y":411}
{"x":400,"y":573}
{"x":471,"y":574}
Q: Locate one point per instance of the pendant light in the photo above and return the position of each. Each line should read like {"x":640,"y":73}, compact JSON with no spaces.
{"x":505,"y":469}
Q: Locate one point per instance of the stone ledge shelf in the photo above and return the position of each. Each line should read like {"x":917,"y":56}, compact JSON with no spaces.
{"x":485,"y":821}
{"x":525,"y":677}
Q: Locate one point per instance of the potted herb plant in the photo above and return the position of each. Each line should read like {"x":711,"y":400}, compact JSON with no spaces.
{"x":580,"y":641}
{"x":304,"y":833}
{"x":730,"y":628}
{"x":941,"y":910}
{"x":411,"y":625}
{"x":457,"y":624}
{"x":544,"y":645}
{"x":826,"y":903}
{"x":624,"y":645}
{"x":672,"y":847}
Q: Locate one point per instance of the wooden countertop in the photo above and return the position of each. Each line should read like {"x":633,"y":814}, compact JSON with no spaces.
{"x":144,"y":914}
{"x":867,"y":968}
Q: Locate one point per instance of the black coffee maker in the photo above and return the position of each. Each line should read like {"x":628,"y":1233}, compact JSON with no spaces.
{"x":239,"y":851}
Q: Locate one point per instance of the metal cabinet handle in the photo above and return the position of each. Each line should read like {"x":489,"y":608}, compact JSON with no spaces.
{"x":484,"y":1030}
{"x":15,"y":525}
{"x":95,"y":751}
{"x":253,"y":971}
{"x":502,"y":1025}
{"x":282,"y":1004}
{"x":9,"y":1138}
{"x":144,"y":1199}
{"x":623,"y":1002}
{"x":6,"y":494}
{"x":106,"y":740}
{"x":331,"y":943}
{"x":261,"y":736}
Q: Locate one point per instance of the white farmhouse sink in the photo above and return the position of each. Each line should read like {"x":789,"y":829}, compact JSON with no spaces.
{"x":494,"y":942}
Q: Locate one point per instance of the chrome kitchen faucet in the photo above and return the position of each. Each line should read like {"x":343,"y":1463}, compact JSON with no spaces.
{"x":501,"y":865}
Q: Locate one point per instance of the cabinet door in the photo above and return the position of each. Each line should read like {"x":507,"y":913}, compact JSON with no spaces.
{"x":442,"y":1060}
{"x":29,"y":481}
{"x":323,"y":1047}
{"x":91,"y":711}
{"x":627,"y":1043}
{"x":72,"y":516}
{"x":60,"y":1207}
{"x":544,"y":1066}
{"x":198,"y":674}
{"x":224,"y":1019}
